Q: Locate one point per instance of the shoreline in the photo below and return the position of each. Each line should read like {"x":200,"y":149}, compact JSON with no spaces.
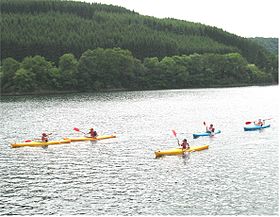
{"x":46,"y":93}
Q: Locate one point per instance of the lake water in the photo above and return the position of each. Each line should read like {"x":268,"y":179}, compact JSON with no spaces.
{"x":237,"y":175}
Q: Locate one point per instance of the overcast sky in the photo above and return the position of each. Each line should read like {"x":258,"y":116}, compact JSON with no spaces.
{"x":246,"y":18}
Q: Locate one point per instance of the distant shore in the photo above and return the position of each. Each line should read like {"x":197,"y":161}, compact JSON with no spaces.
{"x":45,"y":93}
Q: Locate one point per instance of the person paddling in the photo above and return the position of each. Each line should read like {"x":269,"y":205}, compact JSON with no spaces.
{"x":92,"y":133}
{"x":185,"y":144}
{"x":209,"y":129}
{"x":259,"y":122}
{"x":45,"y":137}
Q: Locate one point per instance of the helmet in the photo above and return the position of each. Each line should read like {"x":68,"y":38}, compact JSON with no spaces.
{"x":184,"y":140}
{"x":44,"y":134}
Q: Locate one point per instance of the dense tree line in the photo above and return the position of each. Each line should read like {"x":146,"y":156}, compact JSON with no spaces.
{"x":51,"y":28}
{"x":64,"y":45}
{"x":52,"y":34}
{"x":115,"y":68}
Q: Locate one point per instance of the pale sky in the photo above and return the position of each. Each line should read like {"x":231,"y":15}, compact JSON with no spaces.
{"x":246,"y":18}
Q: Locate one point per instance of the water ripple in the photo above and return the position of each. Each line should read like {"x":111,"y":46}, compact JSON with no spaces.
{"x":237,"y":175}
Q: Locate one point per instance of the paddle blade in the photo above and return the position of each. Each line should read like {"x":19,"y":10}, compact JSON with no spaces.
{"x":76,"y":129}
{"x":248,"y":122}
{"x":28,"y":140}
{"x":174,"y":133}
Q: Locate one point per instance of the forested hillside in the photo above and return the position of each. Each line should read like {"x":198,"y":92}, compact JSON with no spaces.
{"x":38,"y":36}
{"x":51,"y":28}
{"x":271,"y":44}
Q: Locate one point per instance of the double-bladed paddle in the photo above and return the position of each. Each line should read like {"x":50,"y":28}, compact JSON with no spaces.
{"x":29,"y":140}
{"x":249,"y":122}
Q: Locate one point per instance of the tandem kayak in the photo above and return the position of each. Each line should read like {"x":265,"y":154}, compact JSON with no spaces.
{"x":256,"y":127}
{"x":177,"y":151}
{"x":196,"y":135}
{"x":79,"y":139}
{"x":39,"y":143}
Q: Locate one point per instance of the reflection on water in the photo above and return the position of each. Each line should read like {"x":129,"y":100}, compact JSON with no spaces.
{"x":186,"y":157}
{"x":237,"y":175}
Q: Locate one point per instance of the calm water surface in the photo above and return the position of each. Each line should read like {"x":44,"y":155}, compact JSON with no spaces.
{"x":237,"y":175}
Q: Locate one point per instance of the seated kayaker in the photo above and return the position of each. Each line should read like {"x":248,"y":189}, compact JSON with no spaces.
{"x":92,"y":133}
{"x":209,"y":129}
{"x":212,"y":133}
{"x":45,"y":137}
{"x":259,"y":122}
{"x":185,"y":144}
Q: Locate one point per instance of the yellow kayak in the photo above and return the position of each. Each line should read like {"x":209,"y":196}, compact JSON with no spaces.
{"x":79,"y":139}
{"x":39,"y":143}
{"x":176,"y":151}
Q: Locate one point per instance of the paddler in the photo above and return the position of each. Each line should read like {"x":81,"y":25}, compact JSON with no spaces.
{"x":185,"y":144}
{"x":92,"y":133}
{"x":259,"y":123}
{"x":209,"y":129}
{"x":45,"y":137}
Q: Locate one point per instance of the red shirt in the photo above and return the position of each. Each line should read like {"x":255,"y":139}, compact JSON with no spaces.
{"x":44,"y":138}
{"x":93,"y":133}
{"x":185,"y":145}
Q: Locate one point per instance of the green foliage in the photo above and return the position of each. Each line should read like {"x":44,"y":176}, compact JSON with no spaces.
{"x":270,"y":44}
{"x":68,"y":71}
{"x":24,"y":81}
{"x":115,"y":67}
{"x":8,"y":71}
{"x":86,"y":73}
{"x":107,"y":69}
{"x":39,"y":68}
{"x":52,"y":28}
{"x":258,"y":76}
{"x":119,"y":49}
